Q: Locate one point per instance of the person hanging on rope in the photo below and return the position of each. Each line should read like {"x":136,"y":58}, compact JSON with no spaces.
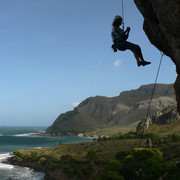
{"x":120,"y":37}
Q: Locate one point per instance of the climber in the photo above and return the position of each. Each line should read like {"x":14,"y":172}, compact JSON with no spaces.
{"x":119,"y":38}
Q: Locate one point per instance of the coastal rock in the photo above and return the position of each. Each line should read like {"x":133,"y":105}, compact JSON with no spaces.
{"x":162,"y":27}
{"x":47,"y":134}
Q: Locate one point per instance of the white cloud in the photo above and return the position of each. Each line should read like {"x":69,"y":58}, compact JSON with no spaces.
{"x":75,"y":104}
{"x":117,"y":63}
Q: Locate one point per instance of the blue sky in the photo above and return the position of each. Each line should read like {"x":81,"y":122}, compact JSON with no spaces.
{"x":56,"y":53}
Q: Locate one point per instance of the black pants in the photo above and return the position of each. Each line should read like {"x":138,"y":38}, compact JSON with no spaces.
{"x":124,"y":45}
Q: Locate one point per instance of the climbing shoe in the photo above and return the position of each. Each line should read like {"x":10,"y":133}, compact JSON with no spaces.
{"x":139,"y":63}
{"x":144,"y":63}
{"x":114,"y":48}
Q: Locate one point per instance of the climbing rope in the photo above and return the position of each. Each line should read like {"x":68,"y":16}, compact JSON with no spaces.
{"x":147,"y":114}
{"x":148,"y":110}
{"x":123,"y":14}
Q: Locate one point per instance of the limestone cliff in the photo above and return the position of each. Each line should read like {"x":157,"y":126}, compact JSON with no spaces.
{"x":162,"y":26}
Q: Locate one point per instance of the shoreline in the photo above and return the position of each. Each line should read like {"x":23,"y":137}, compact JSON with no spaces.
{"x":35,"y":165}
{"x":83,"y":135}
{"x":31,"y":165}
{"x":9,"y":166}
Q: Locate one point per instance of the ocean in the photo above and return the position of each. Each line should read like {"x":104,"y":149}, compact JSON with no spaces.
{"x":12,"y":138}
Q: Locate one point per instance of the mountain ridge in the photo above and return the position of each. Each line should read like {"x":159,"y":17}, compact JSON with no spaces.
{"x":102,"y":112}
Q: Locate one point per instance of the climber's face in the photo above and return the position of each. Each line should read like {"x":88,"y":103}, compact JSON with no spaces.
{"x":119,"y":21}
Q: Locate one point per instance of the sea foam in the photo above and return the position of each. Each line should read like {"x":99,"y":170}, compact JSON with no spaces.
{"x":16,"y":172}
{"x":25,"y":134}
{"x":3,"y":157}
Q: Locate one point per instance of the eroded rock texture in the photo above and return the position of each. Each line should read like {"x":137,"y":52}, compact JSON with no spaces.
{"x":162,"y":26}
{"x":164,"y":116}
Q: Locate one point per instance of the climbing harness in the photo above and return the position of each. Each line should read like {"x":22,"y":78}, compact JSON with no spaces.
{"x":123,"y":15}
{"x":148,"y":110}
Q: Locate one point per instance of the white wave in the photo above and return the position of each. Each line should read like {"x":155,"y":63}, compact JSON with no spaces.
{"x":3,"y":157}
{"x":17,"y":172}
{"x":37,"y":147}
{"x":21,"y":173}
{"x":6,"y":166}
{"x":1,"y":134}
{"x":25,"y":134}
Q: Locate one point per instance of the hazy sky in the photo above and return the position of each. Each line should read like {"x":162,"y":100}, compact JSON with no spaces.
{"x":56,"y":53}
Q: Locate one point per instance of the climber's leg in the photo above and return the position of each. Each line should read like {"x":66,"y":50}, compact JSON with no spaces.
{"x":124,"y":45}
{"x":139,"y":63}
{"x":139,"y":54}
{"x":135,"y":49}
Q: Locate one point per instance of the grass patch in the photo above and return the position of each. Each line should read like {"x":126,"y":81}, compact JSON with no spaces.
{"x":115,"y":130}
{"x":105,"y":150}
{"x":164,"y":130}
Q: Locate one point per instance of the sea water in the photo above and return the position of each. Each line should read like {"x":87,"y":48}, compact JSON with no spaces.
{"x":12,"y":138}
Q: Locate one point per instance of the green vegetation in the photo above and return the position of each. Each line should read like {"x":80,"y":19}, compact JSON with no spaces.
{"x":131,"y":135}
{"x":166,"y":129}
{"x":110,"y":131}
{"x":18,"y":156}
{"x":144,"y":163}
{"x":116,"y":157}
{"x":111,"y":158}
{"x":42,"y":160}
{"x":86,"y":171}
{"x":92,"y":156}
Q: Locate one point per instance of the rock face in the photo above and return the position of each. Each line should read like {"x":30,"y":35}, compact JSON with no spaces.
{"x":165,"y":116}
{"x":162,"y":26}
{"x":102,"y":112}
{"x":144,"y":124}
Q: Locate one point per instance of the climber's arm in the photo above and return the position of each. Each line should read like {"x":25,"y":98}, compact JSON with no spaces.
{"x":126,"y":33}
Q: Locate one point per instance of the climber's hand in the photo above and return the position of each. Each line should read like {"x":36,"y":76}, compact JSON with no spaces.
{"x":128,"y":29}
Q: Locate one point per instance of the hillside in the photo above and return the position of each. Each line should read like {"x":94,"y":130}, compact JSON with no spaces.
{"x":116,"y":157}
{"x":104,"y":112}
